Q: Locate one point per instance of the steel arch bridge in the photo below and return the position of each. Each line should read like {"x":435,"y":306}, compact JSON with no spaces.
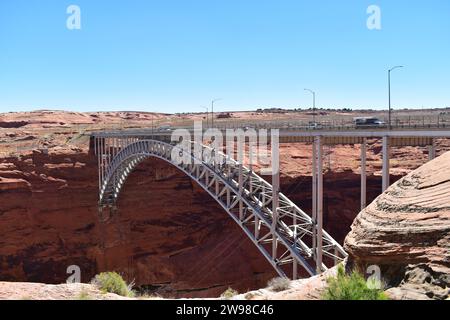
{"x":285,"y":235}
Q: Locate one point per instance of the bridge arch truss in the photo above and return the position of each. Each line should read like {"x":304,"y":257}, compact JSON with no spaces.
{"x":285,"y":235}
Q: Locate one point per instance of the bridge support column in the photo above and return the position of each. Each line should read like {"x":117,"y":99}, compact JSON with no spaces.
{"x":250,"y":167}
{"x":108,"y":150}
{"x":99,"y":161}
{"x":314,"y":198}
{"x":256,"y":227}
{"x":432,"y":150}
{"x":275,"y":192}
{"x":228,"y":189}
{"x":386,"y":164}
{"x":241,"y":188}
{"x":294,"y":261}
{"x":319,"y":223}
{"x":113,"y":154}
{"x":102,"y":160}
{"x":363,"y":174}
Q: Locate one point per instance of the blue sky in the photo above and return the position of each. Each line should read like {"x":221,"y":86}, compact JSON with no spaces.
{"x":177,"y":55}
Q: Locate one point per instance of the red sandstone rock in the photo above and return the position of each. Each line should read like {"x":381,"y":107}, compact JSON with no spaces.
{"x":187,"y":244}
{"x":13,"y":184}
{"x":168,"y":234}
{"x":406,"y":231}
{"x":181,"y":243}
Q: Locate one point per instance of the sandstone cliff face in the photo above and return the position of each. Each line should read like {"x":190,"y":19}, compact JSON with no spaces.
{"x":168,"y":234}
{"x":406,"y":231}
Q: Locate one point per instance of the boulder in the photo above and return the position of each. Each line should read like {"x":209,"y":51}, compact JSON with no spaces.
{"x":406,"y":232}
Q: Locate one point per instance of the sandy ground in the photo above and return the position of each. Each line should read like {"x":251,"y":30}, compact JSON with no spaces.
{"x":303,"y":289}
{"x":39,"y":291}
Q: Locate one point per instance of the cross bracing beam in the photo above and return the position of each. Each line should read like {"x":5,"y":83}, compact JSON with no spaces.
{"x":285,"y":239}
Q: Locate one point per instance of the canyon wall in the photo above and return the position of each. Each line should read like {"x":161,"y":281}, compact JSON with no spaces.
{"x":168,"y":235}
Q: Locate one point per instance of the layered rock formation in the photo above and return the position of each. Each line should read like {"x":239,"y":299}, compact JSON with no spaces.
{"x":168,"y":234}
{"x":406,"y":231}
{"x":64,"y":119}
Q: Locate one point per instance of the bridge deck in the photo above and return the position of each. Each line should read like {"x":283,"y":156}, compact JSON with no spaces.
{"x":396,"y":137}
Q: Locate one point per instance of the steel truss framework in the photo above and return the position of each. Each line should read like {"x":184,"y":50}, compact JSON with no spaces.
{"x":286,"y":236}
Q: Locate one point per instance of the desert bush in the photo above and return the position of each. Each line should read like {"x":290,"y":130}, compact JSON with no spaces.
{"x":229,"y":293}
{"x":351,"y":286}
{"x":112,"y":282}
{"x":83,"y":295}
{"x":279,"y":284}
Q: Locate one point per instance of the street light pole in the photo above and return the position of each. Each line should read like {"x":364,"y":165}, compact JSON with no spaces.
{"x":212,"y":111}
{"x":389,"y":92}
{"x":314,"y":104}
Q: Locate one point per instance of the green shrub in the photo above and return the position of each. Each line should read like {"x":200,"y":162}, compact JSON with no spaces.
{"x":229,"y":293}
{"x":279,"y":284}
{"x":83,"y":295}
{"x":351,"y":286}
{"x":112,"y":282}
